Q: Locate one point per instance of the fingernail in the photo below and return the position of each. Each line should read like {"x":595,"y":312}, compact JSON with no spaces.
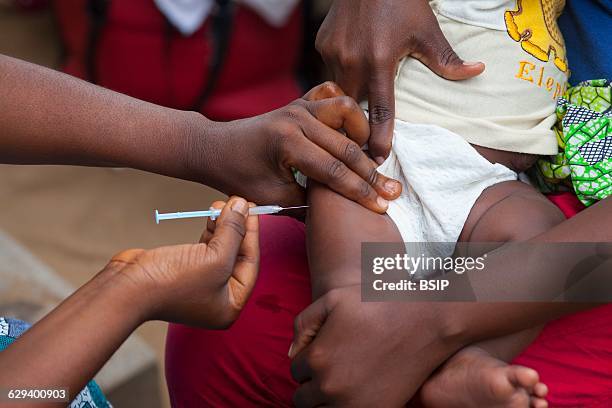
{"x":382,"y":203}
{"x":240,"y":206}
{"x":471,"y":63}
{"x":391,"y":186}
{"x":290,"y":350}
{"x":379,"y":160}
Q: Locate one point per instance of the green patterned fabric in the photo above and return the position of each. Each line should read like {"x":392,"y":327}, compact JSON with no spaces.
{"x":584,"y":132}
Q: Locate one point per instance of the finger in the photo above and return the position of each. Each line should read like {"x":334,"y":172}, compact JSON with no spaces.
{"x":318,"y":164}
{"x":342,"y":113}
{"x":325,"y":90}
{"x":211,"y":223}
{"x":230,"y":231}
{"x":247,"y":264}
{"x":349,"y":153}
{"x":306,"y":326}
{"x":353,"y":80}
{"x":381,"y":106}
{"x":442,"y":59}
{"x":308,"y":395}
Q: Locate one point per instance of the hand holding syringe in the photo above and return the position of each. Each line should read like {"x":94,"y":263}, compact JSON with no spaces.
{"x":214,"y":213}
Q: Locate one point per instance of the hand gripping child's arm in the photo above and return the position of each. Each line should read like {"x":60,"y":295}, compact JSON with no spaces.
{"x":47,"y":117}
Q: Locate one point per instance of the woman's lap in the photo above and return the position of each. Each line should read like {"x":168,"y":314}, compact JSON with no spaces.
{"x":248,"y":364}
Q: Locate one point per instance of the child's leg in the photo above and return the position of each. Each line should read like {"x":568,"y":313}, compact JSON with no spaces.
{"x":481,"y":370}
{"x":336,"y":228}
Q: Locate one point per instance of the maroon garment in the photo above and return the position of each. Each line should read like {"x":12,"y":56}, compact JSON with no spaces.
{"x":247,"y":366}
{"x":138,"y":53}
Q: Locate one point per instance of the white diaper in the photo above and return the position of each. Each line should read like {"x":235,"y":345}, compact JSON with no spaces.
{"x":443,"y":176}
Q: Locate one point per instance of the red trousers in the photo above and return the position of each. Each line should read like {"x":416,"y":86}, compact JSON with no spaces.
{"x":247,"y":365}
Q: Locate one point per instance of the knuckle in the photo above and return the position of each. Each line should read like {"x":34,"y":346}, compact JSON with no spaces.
{"x":331,"y":87}
{"x":321,"y":43}
{"x":380,"y":114}
{"x":348,"y":60}
{"x":235,"y":225}
{"x":285,"y":131}
{"x":346,"y":103}
{"x":317,"y":358}
{"x":248,"y":259}
{"x":327,"y":52}
{"x":294,"y":112}
{"x":336,"y":170}
{"x":352,"y":152}
{"x":365,"y":190}
{"x":381,"y":60}
{"x":380,"y":146}
{"x":372,"y":176}
{"x":447,"y":56}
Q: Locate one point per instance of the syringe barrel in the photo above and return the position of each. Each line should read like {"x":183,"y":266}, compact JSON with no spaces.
{"x":265,"y":209}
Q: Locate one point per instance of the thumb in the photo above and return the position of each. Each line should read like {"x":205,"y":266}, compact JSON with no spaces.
{"x":229,"y":233}
{"x":381,"y":107}
{"x":307,"y":324}
{"x":441,"y":58}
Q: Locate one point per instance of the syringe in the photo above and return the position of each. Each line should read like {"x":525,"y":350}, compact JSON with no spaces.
{"x":214,"y":213}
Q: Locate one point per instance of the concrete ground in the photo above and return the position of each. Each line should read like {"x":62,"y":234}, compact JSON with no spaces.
{"x":74,"y":219}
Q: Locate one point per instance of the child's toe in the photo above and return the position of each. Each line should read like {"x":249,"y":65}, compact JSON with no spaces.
{"x":524,"y":377}
{"x":538,"y":403}
{"x":540,"y":390}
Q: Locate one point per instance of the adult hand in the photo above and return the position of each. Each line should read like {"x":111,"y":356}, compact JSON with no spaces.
{"x":205,"y":284}
{"x":254,"y":157}
{"x":362,"y":42}
{"x":352,"y":353}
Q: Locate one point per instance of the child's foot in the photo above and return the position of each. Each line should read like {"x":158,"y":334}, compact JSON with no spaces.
{"x":473,"y":378}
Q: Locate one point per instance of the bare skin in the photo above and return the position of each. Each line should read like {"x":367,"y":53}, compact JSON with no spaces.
{"x":364,"y":61}
{"x":507,"y":212}
{"x":204,"y":285}
{"x":349,"y":330}
{"x":474,"y":378}
{"x":334,"y":240}
{"x":51,"y":118}
{"x":336,"y":328}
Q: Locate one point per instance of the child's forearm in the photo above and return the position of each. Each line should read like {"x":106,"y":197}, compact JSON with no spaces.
{"x":68,"y":346}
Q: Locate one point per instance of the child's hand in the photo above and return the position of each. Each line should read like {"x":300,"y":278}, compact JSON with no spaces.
{"x":205,"y":284}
